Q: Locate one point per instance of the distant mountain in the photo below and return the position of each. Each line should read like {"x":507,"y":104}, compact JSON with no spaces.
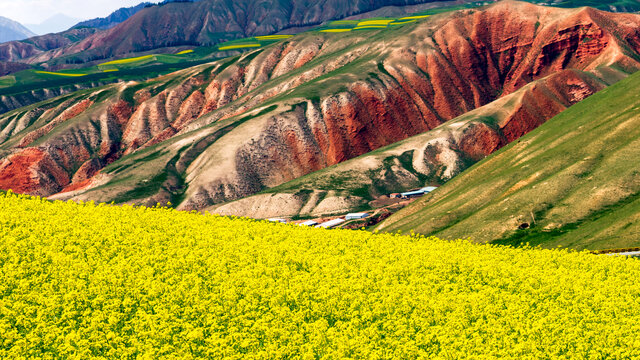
{"x":114,"y":19}
{"x":54,"y":24}
{"x":12,"y":30}
{"x":209,"y":22}
{"x":14,"y":51}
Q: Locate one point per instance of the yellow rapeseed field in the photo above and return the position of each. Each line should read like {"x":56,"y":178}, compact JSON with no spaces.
{"x":127,"y":60}
{"x":239,"y":46}
{"x":84,"y":281}
{"x":59,"y":73}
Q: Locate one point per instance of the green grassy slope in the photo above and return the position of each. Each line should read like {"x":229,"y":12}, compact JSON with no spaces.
{"x":574,"y":182}
{"x":136,"y":68}
{"x":609,"y":5}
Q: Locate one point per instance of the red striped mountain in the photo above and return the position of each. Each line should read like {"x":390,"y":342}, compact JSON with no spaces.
{"x":202,"y":23}
{"x":229,"y":129}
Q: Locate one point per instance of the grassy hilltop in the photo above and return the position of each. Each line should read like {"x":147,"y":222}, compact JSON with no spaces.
{"x":574,"y":182}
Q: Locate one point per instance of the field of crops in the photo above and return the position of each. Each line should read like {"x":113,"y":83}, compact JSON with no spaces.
{"x":251,"y":42}
{"x":60,"y":74}
{"x":98,"y":281}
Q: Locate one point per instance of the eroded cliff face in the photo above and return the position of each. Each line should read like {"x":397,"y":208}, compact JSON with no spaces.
{"x":221,"y":131}
{"x":432,"y":157}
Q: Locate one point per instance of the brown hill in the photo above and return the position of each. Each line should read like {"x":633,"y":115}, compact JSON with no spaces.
{"x":431,"y":158}
{"x":226,"y":130}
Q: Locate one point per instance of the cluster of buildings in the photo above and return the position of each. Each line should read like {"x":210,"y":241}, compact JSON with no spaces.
{"x":327,"y":224}
{"x":360,"y":215}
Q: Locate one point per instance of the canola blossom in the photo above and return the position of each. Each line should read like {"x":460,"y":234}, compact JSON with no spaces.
{"x":85,"y":281}
{"x":127,"y":60}
{"x":273,"y":37}
{"x":239,"y":46}
{"x":59,"y":73}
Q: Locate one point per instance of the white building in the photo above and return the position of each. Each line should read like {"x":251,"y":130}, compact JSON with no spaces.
{"x":331,"y":223}
{"x":419,"y":192}
{"x":356,"y":216}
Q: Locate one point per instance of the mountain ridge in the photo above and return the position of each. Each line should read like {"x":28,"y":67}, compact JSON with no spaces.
{"x":11,"y":30}
{"x":222,"y":131}
{"x":113,"y":19}
{"x":210,"y":22}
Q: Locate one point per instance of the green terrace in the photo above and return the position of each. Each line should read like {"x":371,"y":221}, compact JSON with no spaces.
{"x":342,"y":26}
{"x":145,"y":66}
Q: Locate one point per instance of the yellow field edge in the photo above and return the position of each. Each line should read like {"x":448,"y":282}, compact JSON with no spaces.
{"x":374,"y":22}
{"x":369,"y":27}
{"x":335,"y":30}
{"x":414,"y":17}
{"x":273,"y":37}
{"x":59,"y":74}
{"x":231,"y":47}
{"x":402,"y":22}
{"x":126,"y":61}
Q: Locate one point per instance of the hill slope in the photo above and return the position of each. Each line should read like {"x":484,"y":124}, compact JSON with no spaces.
{"x":15,"y":51}
{"x":12,"y":30}
{"x":95,"y":281}
{"x":431,"y":158}
{"x":574,"y":182}
{"x":222,"y":131}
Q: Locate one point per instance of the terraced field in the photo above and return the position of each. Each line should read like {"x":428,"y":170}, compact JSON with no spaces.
{"x":31,"y":76}
{"x":34,"y":85}
{"x":342,"y":26}
{"x":338,"y":26}
{"x":19,"y":86}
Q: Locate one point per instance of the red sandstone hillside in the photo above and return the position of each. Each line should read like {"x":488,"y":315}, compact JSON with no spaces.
{"x":225,"y":130}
